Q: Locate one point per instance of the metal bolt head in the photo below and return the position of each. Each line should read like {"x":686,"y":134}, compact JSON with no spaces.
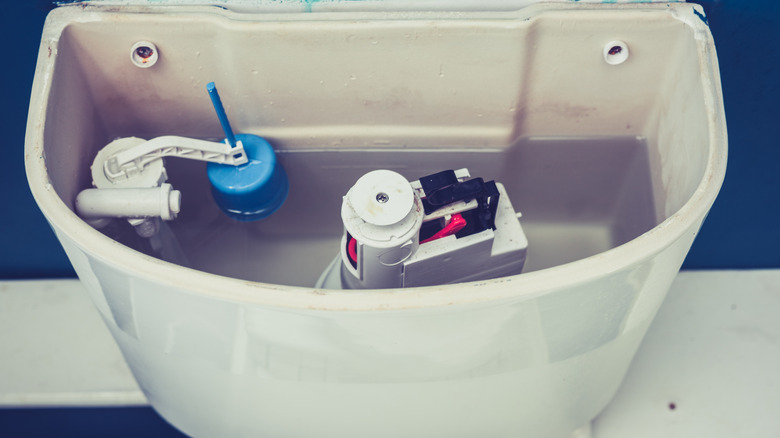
{"x":144,"y":52}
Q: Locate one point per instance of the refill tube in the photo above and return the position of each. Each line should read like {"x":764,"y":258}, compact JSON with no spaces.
{"x":163,"y":202}
{"x":221,"y":114}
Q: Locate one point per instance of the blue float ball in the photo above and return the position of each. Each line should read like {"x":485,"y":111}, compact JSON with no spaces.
{"x":254,"y":190}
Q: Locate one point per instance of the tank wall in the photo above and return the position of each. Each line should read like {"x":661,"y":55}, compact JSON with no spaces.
{"x":73,"y":131}
{"x":309,"y":83}
{"x":436,"y":372}
{"x":680,"y":127}
{"x":406,"y":81}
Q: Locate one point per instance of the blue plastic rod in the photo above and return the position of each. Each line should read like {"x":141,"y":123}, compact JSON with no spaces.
{"x":223,"y":120}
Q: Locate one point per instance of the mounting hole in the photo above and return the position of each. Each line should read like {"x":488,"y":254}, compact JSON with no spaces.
{"x":615,"y":52}
{"x":144,"y":54}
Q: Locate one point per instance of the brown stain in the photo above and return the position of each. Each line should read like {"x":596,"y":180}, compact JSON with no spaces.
{"x":566,"y":110}
{"x":372,"y":208}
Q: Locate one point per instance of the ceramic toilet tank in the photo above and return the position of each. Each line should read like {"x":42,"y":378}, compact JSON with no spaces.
{"x":604,"y":123}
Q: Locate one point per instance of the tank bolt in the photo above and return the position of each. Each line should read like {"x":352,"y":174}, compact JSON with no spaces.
{"x":615,"y":52}
{"x":144,"y":54}
{"x":145,"y":228}
{"x":382,"y":197}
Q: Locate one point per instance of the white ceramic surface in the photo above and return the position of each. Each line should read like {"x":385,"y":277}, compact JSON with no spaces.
{"x":525,"y":97}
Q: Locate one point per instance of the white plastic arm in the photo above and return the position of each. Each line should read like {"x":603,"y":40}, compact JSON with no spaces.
{"x":132,"y":161}
{"x":163,"y":202}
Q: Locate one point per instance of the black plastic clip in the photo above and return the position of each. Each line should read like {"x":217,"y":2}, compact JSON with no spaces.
{"x":443,"y":188}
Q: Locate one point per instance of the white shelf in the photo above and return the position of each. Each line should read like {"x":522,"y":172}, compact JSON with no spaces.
{"x":56,"y":350}
{"x":712,"y":353}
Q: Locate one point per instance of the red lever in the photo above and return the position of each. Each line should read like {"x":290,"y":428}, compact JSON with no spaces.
{"x":456,"y":224}
{"x":352,"y":249}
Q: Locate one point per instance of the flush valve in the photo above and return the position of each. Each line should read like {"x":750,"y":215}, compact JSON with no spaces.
{"x":442,"y":228}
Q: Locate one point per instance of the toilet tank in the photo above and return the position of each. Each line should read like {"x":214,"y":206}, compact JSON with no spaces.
{"x":604,"y":122}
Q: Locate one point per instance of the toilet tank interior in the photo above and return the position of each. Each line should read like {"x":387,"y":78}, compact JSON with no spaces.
{"x":592,"y":155}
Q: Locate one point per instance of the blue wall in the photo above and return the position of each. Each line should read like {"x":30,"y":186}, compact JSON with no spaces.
{"x":740,"y":232}
{"x":28,"y":248}
{"x":742,"y":229}
{"x":128,"y":422}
